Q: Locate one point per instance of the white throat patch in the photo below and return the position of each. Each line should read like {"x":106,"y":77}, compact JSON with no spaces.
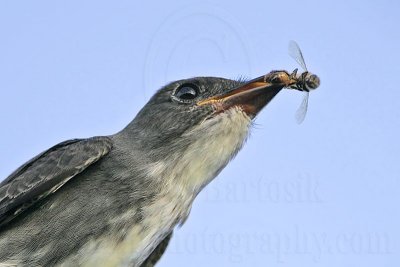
{"x":216,"y":142}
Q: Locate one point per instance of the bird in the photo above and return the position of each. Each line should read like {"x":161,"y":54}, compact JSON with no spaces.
{"x":116,"y":200}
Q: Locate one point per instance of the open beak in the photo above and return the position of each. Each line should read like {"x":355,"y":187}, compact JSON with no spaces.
{"x":251,"y":97}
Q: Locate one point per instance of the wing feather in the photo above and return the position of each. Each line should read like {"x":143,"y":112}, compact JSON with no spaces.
{"x":47,"y":172}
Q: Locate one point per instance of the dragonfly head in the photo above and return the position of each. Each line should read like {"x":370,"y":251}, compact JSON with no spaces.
{"x":306,"y":81}
{"x":312,"y":81}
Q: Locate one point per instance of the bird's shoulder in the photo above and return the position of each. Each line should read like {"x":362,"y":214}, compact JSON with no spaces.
{"x":47,"y":172}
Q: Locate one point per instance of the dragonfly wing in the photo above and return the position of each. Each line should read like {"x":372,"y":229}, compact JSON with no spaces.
{"x":296,"y":54}
{"x":302,"y":110}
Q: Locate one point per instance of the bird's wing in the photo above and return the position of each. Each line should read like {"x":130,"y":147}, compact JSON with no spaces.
{"x":47,"y":172}
{"x":157,"y":252}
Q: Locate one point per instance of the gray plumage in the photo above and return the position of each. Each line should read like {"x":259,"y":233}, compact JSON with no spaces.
{"x":47,"y":172}
{"x":114,"y":201}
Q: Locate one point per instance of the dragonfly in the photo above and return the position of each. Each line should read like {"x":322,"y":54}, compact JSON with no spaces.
{"x":305,"y":81}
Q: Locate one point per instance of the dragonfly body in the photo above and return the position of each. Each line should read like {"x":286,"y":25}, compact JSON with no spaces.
{"x":305,"y":81}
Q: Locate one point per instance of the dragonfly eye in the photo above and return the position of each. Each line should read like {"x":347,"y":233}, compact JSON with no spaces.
{"x":276,"y":79}
{"x":312,"y":82}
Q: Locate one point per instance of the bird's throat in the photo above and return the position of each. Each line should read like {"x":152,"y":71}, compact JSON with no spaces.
{"x":212,"y":144}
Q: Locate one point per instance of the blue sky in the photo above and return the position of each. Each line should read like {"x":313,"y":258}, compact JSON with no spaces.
{"x":323,"y":193}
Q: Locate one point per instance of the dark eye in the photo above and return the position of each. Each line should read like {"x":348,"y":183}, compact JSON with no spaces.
{"x":187,"y":92}
{"x":276,"y":79}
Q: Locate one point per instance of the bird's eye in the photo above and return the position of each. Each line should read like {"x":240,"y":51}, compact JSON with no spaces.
{"x":187,"y":92}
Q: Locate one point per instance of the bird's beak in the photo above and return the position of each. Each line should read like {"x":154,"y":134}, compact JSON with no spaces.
{"x":251,"y":97}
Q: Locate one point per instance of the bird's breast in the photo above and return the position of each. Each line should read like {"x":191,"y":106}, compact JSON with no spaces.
{"x":139,"y":239}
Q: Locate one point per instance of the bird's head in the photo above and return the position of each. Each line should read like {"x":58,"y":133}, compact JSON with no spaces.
{"x":183,"y":106}
{"x":199,"y":123}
